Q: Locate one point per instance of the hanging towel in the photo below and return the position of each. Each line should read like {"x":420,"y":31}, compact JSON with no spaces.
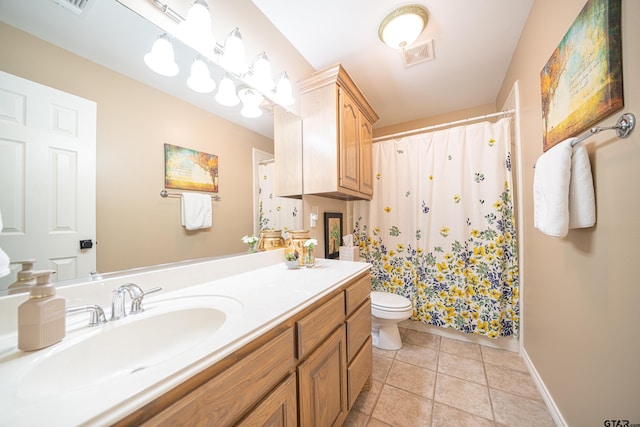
{"x":582,"y":201}
{"x":4,"y":258}
{"x":563,"y":195}
{"x":196,"y":211}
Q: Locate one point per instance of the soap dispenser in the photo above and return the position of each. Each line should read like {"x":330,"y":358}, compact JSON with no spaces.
{"x":25,"y":277}
{"x":41,"y":319}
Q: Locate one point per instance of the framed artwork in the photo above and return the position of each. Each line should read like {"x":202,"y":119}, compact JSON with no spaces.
{"x":582,"y":82}
{"x":187,"y":169}
{"x":332,"y":234}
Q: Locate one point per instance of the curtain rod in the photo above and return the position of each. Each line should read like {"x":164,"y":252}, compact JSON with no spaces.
{"x":443,"y":125}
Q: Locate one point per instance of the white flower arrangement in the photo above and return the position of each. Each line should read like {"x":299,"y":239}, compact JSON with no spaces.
{"x":311,"y":243}
{"x":250,"y":240}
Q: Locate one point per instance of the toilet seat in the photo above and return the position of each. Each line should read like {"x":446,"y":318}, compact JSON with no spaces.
{"x":386,"y":301}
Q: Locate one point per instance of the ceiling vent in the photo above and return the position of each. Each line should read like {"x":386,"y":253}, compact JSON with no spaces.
{"x":78,"y":7}
{"x":418,"y":53}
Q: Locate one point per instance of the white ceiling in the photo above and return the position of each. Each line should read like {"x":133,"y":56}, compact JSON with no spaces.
{"x":473,"y":42}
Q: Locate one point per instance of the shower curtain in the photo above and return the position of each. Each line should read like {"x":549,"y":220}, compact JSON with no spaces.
{"x":440,"y":229}
{"x":276,"y":213}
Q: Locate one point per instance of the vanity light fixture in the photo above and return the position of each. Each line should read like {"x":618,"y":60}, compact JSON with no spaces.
{"x":200,"y":79}
{"x":161,"y":58}
{"x":233,"y":58}
{"x":226,"y":95}
{"x":402,"y":26}
{"x":283,"y":94}
{"x":250,"y":103}
{"x":196,"y":31}
{"x":260,"y":76}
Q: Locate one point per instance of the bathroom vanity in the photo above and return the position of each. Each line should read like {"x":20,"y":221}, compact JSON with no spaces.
{"x":267,"y":346}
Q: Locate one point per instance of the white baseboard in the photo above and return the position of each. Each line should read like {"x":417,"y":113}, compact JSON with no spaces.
{"x":544,"y":392}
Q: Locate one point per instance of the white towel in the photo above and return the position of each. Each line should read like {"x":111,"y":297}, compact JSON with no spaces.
{"x":196,"y":211}
{"x":582,"y":201}
{"x":563,"y":190}
{"x":4,"y":258}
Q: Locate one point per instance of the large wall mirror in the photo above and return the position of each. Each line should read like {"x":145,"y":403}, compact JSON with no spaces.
{"x":137,"y":112}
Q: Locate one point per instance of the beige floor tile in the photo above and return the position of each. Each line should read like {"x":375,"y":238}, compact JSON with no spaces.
{"x":386,"y":353}
{"x":381,"y":367}
{"x":377,"y":423}
{"x":505,"y":358}
{"x":423,"y":339}
{"x":518,"y":411}
{"x":419,"y":356}
{"x":400,"y":408}
{"x":461,"y":367}
{"x":412,"y":378}
{"x":446,"y":416}
{"x":461,"y":348}
{"x":356,"y":419}
{"x":366,"y":401}
{"x":465,"y":395}
{"x":511,"y":381}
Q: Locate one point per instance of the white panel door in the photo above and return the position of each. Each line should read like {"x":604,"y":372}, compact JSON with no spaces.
{"x":47,"y":178}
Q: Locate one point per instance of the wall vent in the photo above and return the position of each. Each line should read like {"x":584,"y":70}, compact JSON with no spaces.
{"x":418,"y":53}
{"x":76,"y":6}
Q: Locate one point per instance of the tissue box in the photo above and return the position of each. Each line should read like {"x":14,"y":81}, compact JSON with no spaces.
{"x":349,"y":253}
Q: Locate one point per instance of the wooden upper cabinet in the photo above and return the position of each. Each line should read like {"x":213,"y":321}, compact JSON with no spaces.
{"x":337,"y":136}
{"x":287,"y":145}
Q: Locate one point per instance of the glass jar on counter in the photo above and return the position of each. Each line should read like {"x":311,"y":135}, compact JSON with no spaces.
{"x":270,"y":239}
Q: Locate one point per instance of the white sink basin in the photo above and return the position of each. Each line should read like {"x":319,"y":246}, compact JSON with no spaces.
{"x":166,"y":330}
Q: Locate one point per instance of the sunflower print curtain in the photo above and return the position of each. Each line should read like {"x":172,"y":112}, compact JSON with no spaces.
{"x":440,"y":229}
{"x":276,"y":213}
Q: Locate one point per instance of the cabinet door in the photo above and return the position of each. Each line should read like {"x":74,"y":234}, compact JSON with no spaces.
{"x":322,"y":380}
{"x":278,"y":409}
{"x":366,"y":158}
{"x":349,"y":145}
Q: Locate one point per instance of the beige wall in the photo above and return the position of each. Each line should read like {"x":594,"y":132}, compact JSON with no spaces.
{"x":135,"y":226}
{"x":581,"y":293}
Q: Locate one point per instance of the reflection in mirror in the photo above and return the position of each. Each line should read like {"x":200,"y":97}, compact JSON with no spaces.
{"x":137,"y":112}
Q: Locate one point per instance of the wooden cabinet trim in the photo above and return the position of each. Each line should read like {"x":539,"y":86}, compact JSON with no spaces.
{"x":359,"y":371}
{"x":247,"y":381}
{"x":357,"y":292}
{"x":279,"y":408}
{"x":325,"y":369}
{"x":358,"y":329}
{"x":315,"y":327}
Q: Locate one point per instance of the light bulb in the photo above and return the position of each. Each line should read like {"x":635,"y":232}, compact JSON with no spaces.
{"x":200,"y":79}
{"x":233,"y":59}
{"x":161,"y":58}
{"x":227,"y":93}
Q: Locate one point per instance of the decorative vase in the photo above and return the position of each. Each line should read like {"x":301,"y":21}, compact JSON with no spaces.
{"x":270,"y":239}
{"x":252,"y":248}
{"x":309,"y":258}
{"x":295,"y":242}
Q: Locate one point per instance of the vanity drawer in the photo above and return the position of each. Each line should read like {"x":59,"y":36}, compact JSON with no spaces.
{"x":315,"y":327}
{"x":357,"y":293}
{"x":359,"y":371}
{"x":221,"y":400}
{"x":358,"y":329}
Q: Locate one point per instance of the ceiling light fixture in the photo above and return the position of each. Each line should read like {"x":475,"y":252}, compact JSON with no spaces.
{"x":250,"y":103}
{"x":402,"y":26}
{"x":195,"y":30}
{"x":226,"y":95}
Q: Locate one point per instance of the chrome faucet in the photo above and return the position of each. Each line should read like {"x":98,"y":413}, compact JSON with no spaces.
{"x":96,"y":313}
{"x":136,"y":294}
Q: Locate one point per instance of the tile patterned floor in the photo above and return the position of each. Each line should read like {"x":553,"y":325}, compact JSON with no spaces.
{"x":437,"y":381}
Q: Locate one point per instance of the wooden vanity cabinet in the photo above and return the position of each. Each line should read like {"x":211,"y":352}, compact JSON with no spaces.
{"x":337,"y":136}
{"x":306,"y":371}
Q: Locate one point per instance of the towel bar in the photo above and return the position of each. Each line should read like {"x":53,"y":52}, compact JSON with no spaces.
{"x":623,"y":127}
{"x":165,"y":193}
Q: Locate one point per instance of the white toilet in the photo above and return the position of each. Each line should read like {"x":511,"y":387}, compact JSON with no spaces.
{"x":387,"y":310}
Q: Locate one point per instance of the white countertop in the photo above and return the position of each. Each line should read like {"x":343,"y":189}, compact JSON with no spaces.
{"x":264,"y":296}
